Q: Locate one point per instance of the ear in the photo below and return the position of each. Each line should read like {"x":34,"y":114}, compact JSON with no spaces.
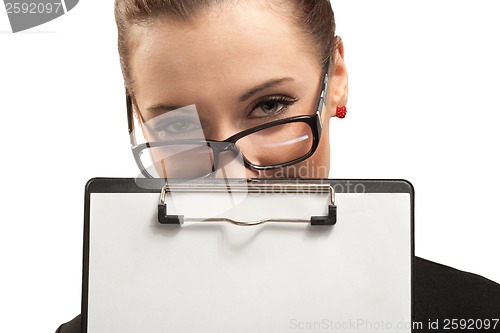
{"x":338,"y":85}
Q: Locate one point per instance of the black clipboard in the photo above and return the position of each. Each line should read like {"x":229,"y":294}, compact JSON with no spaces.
{"x":152,"y":188}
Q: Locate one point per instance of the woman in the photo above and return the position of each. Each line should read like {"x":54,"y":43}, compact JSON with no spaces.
{"x":204,"y":72}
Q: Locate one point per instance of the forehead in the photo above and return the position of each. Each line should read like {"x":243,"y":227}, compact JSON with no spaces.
{"x":247,"y":40}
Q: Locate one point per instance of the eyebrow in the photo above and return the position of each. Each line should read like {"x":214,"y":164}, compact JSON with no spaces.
{"x":163,"y":107}
{"x":265,"y":85}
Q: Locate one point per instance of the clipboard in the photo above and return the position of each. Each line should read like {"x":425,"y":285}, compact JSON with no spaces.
{"x":277,"y":274}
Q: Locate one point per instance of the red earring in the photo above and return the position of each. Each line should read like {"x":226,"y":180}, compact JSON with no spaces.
{"x":341,"y":111}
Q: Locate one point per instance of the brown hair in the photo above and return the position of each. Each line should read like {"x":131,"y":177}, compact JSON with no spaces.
{"x":314,"y":18}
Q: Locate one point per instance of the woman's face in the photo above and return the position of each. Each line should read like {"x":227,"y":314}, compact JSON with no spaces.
{"x":225,"y":72}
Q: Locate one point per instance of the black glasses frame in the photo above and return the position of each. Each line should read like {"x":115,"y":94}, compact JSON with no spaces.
{"x":314,"y":121}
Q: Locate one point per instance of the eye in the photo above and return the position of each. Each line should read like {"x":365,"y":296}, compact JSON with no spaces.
{"x":271,"y":106}
{"x":178,"y":129}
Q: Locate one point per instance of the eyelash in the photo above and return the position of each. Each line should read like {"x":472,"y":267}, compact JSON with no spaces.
{"x":157,"y":129}
{"x":280,"y":99}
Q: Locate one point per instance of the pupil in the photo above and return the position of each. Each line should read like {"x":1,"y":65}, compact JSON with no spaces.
{"x":268,"y":107}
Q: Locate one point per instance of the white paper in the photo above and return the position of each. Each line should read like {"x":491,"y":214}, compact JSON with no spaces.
{"x":277,"y":277}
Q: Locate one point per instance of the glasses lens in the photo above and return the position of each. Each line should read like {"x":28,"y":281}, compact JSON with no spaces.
{"x":178,"y":161}
{"x":278,"y":144}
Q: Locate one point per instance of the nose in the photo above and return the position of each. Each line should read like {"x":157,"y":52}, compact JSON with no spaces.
{"x":232,"y":166}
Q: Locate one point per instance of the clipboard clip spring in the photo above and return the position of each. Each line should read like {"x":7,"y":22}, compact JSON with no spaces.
{"x":256,"y":187}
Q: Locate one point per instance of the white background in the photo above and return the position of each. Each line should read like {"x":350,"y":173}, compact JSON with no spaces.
{"x":423,"y":106}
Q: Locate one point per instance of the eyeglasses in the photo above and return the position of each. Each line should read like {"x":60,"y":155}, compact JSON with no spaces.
{"x":271,"y":145}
